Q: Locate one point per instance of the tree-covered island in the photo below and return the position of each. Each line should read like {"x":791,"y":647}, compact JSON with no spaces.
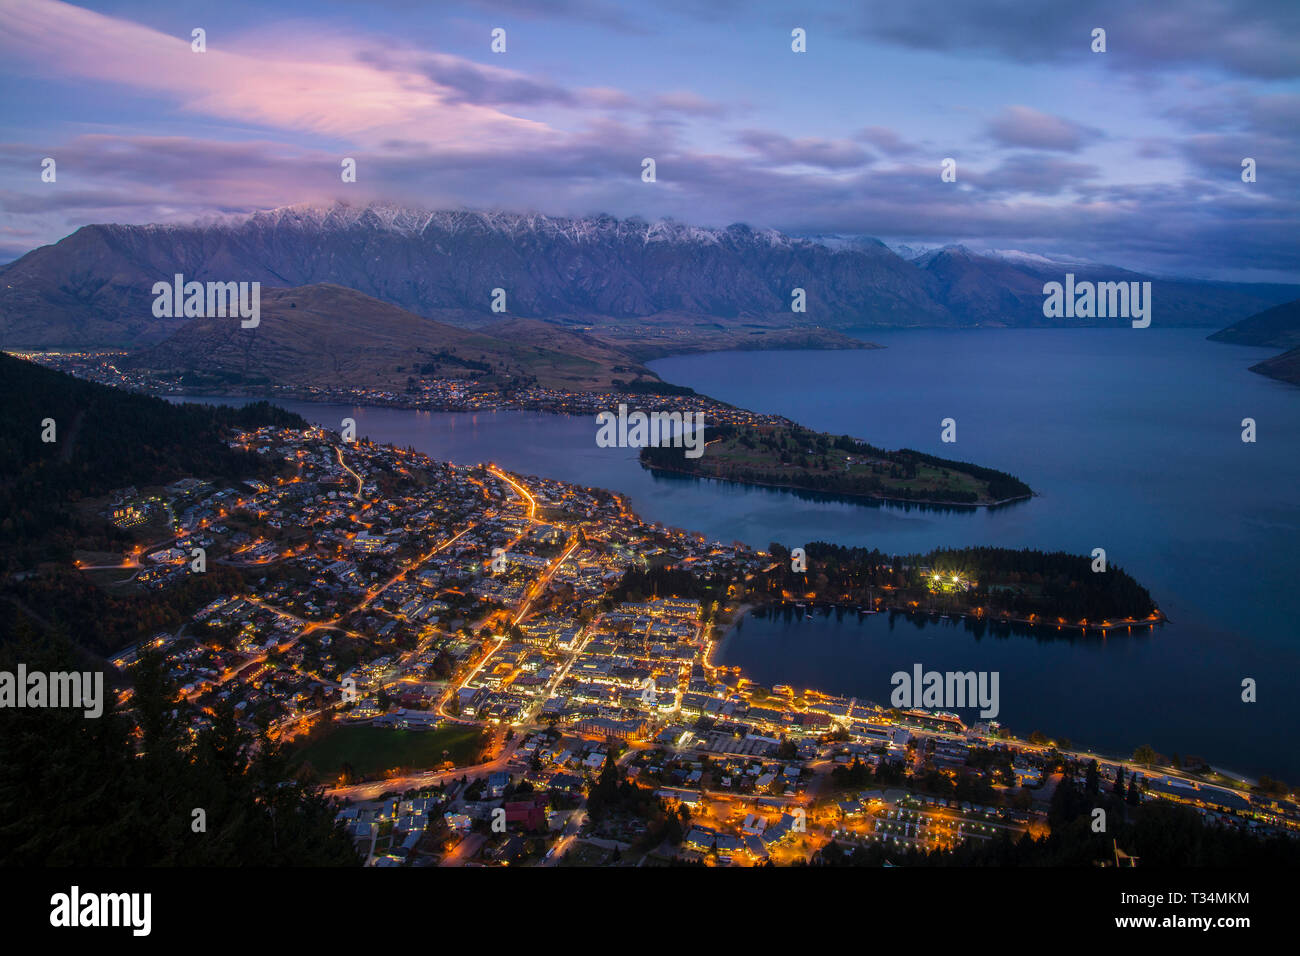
{"x":994,"y":584}
{"x":797,"y":457}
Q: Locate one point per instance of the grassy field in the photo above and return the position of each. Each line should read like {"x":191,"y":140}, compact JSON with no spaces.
{"x":586,"y":854}
{"x":372,"y":750}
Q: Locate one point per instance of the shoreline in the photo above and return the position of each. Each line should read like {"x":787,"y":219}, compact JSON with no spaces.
{"x":1237,"y":779}
{"x":714,"y":644}
{"x":1126,"y":623}
{"x":541,"y":408}
{"x":846,"y":495}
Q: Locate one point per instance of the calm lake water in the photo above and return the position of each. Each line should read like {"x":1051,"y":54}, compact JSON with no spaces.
{"x":1131,"y":439}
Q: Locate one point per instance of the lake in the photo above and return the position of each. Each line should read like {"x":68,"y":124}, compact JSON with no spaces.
{"x":1131,"y":439}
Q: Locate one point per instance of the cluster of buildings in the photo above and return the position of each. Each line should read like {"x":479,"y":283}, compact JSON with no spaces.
{"x":449,"y":394}
{"x":384,"y":588}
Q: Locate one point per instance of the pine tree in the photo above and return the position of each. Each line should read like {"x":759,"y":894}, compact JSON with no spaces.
{"x":74,"y":791}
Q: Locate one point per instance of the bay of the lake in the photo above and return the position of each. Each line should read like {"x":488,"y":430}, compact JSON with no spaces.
{"x":1131,"y":439}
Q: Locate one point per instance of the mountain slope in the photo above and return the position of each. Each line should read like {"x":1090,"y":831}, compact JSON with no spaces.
{"x":104,"y":438}
{"x":94,"y":287}
{"x":327,"y":335}
{"x":1007,"y":289}
{"x":1278,"y":327}
{"x":644,"y":284}
{"x":1284,"y":367}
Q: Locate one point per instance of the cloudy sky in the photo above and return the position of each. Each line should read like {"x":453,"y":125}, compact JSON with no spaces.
{"x":1131,"y":157}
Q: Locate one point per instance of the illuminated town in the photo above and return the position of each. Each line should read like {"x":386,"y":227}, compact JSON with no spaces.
{"x":425,"y":394}
{"x":544,"y":712}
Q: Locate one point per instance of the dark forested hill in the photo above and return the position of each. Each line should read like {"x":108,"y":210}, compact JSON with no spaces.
{"x":1278,"y":327}
{"x":104,"y":439}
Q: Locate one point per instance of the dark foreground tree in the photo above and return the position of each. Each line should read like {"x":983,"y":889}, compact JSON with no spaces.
{"x":76,"y":790}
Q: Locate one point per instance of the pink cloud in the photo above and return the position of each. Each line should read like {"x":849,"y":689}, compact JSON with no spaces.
{"x":321,"y":84}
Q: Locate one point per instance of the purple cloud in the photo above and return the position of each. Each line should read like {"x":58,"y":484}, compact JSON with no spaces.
{"x":778,"y":150}
{"x":1028,"y":128}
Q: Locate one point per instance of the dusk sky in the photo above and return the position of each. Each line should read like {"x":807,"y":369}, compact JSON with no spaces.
{"x":1131,"y":157}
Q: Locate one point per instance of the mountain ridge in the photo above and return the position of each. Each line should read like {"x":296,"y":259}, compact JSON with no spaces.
{"x":644,"y":282}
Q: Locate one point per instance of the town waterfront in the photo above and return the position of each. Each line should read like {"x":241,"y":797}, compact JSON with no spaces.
{"x":1131,"y":440}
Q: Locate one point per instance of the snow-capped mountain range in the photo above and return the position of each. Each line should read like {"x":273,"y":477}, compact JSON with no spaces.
{"x":93,"y":288}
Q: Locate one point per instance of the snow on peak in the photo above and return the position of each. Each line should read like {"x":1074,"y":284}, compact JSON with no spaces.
{"x":1017,"y":256}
